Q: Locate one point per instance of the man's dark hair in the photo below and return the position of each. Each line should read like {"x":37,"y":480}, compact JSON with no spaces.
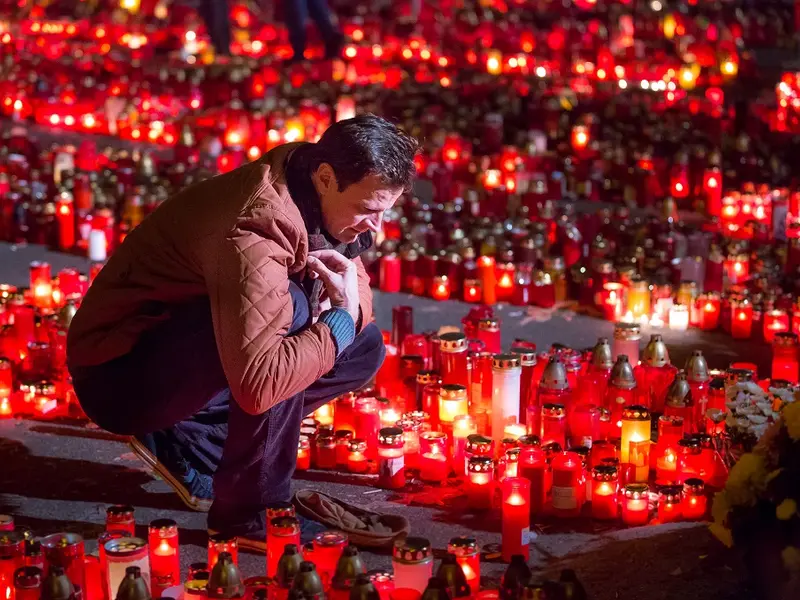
{"x":367,"y":145}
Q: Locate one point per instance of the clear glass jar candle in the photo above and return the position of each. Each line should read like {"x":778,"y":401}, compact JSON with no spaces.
{"x":505,"y":393}
{"x":391,"y":464}
{"x":412,"y":562}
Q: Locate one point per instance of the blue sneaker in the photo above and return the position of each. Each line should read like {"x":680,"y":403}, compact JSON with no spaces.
{"x":162,"y":454}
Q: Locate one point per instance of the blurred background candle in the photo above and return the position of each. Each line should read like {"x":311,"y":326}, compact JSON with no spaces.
{"x":516,"y":520}
{"x":775,"y":321}
{"x":636,"y":504}
{"x":626,"y":341}
{"x":679,"y":317}
{"x":639,"y":299}
{"x":440,"y":288}
{"x":327,"y":549}
{"x":708,"y":306}
{"x":488,"y":279}
{"x":741,"y":319}
{"x":468,"y":556}
{"x":784,"y":357}
{"x":605,"y":479}
{"x":639,"y":457}
{"x":303,"y":454}
{"x":554,"y":425}
{"x":489,"y":334}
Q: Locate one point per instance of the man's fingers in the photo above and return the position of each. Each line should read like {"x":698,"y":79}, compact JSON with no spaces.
{"x":319,"y":268}
{"x":332,"y":259}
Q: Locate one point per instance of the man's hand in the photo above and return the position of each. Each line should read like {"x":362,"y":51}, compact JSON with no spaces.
{"x":340,"y":278}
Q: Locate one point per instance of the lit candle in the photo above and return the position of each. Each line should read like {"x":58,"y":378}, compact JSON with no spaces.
{"x":775,"y":321}
{"x":165,"y":564}
{"x":605,"y":479}
{"x":357,"y":457}
{"x":391,"y":466}
{"x":463,"y":427}
{"x":741,"y":319}
{"x":667,"y":465}
{"x":325,"y":455}
{"x":468,"y":557}
{"x":389,"y":416}
{"x":612,"y":301}
{"x":514,"y":431}
{"x":488,"y":279}
{"x":635,"y":428}
{"x":412,"y":562}
{"x":282,"y":531}
{"x":327,"y":548}
{"x":303,"y":454}
{"x":568,"y":487}
{"x":639,"y":299}
{"x":121,"y":554}
{"x":636,"y":504}
{"x":120,"y":517}
{"x":324,"y":414}
{"x":639,"y":457}
{"x":440,"y":288}
{"x":708,"y":306}
{"x":453,"y":402}
{"x":433,"y":463}
{"x":505,"y":393}
{"x":219,"y":543}
{"x":679,"y":317}
{"x":516,"y":519}
{"x":480,"y":482}
{"x":669,"y":503}
{"x":580,"y":137}
{"x":694,"y":502}
{"x":41,"y":284}
{"x":472,"y":290}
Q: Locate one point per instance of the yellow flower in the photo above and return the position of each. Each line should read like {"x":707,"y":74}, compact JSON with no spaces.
{"x":723,"y":534}
{"x":791,"y":558}
{"x":746,"y":480}
{"x":720,"y":508}
{"x":786,"y":509}
{"x":791,"y":417}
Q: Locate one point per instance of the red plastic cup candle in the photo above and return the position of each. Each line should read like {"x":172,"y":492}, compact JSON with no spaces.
{"x":741,"y":319}
{"x":669,"y":503}
{"x":516,"y":518}
{"x":41,"y":284}
{"x":472,"y":290}
{"x":605,"y":481}
{"x":328,"y":547}
{"x":121,"y":554}
{"x":533,"y":467}
{"x":218,"y":543}
{"x":440,"y":288}
{"x":694,"y":502}
{"x":784,"y":358}
{"x":635,"y":428}
{"x":480,"y":482}
{"x":468,"y":557}
{"x":636,"y":504}
{"x":463,"y":427}
{"x":453,"y":358}
{"x":67,"y":551}
{"x":568,"y":487}
{"x":325,"y":450}
{"x":554,"y":424}
{"x":434,"y":466}
{"x":121,"y":517}
{"x":343,"y":439}
{"x":357,"y":457}
{"x":488,"y":279}
{"x":391,"y":464}
{"x":709,"y":308}
{"x":303,"y":454}
{"x":612,"y":301}
{"x":165,"y":564}
{"x":282,"y":531}
{"x":27,"y":584}
{"x":775,"y":321}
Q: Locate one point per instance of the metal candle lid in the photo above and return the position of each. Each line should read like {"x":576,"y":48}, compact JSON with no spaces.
{"x":554,"y":376}
{"x":62,"y":542}
{"x":412,"y":549}
{"x":679,"y":390}
{"x":694,"y":486}
{"x":655,"y":354}
{"x":503,"y":362}
{"x":226,"y":579}
{"x":527,"y":356}
{"x":454,"y":341}
{"x":622,"y":374}
{"x":480,"y":464}
{"x":453,"y":392}
{"x":529,"y":441}
{"x":478,"y":444}
{"x":627,"y":331}
{"x":490,"y":325}
{"x":285,"y":526}
{"x":390,"y":436}
{"x":635,"y":491}
{"x":602,"y":356}
{"x":635,"y":413}
{"x":120,"y":511}
{"x":124,"y":546}
{"x":670,"y":494}
{"x":697,"y":367}
{"x":553,"y":410}
{"x":426,"y":377}
{"x":462,"y":545}
{"x":605,"y":472}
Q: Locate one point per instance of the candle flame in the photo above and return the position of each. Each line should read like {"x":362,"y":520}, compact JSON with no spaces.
{"x":516,"y":499}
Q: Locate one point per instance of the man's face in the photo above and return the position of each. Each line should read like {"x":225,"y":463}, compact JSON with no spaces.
{"x":357,"y":208}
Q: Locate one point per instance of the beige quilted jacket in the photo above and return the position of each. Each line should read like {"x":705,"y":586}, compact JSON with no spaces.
{"x":235,"y":238}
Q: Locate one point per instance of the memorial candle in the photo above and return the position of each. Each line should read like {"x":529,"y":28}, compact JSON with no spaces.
{"x":568,"y":485}
{"x":357,"y":457}
{"x":453,"y":402}
{"x":489,"y":334}
{"x":391,"y":466}
{"x":453,"y":347}
{"x":775,"y":321}
{"x":639,"y":299}
{"x":67,"y":550}
{"x":121,"y":554}
{"x":516,"y":519}
{"x":639,"y":459}
{"x":741,"y":319}
{"x":165,"y":564}
{"x":282,"y":531}
{"x":605,"y":479}
{"x":343,"y":439}
{"x":27,"y":584}
{"x":219,"y":543}
{"x":440,"y":288}
{"x":480,"y":482}
{"x":626,"y":341}
{"x":324,"y":414}
{"x":636,"y":504}
{"x":463,"y":427}
{"x":325,"y":456}
{"x":635,"y":428}
{"x":472,"y":290}
{"x":327,"y":549}
{"x":41,"y":284}
{"x":412,"y":562}
{"x":669,"y":503}
{"x":488,"y":279}
{"x":121,"y":518}
{"x":505,"y":393}
{"x":709,"y":307}
{"x":433,"y":463}
{"x":784,"y":358}
{"x":468,"y":556}
{"x":694,"y":502}
{"x":554,"y":425}
{"x":303,"y":454}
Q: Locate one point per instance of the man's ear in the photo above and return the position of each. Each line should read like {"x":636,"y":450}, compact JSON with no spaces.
{"x":326,"y":177}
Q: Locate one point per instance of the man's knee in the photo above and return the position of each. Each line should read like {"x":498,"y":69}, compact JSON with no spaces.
{"x":368,"y":348}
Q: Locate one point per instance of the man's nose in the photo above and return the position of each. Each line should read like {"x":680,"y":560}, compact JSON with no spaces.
{"x":375,"y":223}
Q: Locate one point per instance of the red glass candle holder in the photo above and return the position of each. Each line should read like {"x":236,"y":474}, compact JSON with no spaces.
{"x":453,"y":358}
{"x":694,"y":501}
{"x":218,"y":543}
{"x":343,"y":439}
{"x":669,"y":503}
{"x":357,"y":457}
{"x":472,"y":291}
{"x":468,"y":556}
{"x":121,"y":517}
{"x":325,"y":455}
{"x":554,"y":424}
{"x":741,"y":320}
{"x":605,"y":481}
{"x":568,"y":487}
{"x":328,"y":547}
{"x":785,"y":357}
{"x":165,"y":564}
{"x":282,"y":531}
{"x":389,"y":278}
{"x":303,"y":454}
{"x":67,"y":551}
{"x":636,"y":504}
{"x":533,"y":467}
{"x":391,"y":464}
{"x":433,"y":460}
{"x":480,"y":482}
{"x":27,"y":583}
{"x":516,"y":519}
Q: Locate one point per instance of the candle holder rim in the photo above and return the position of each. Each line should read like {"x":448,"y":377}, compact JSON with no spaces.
{"x":124,"y":546}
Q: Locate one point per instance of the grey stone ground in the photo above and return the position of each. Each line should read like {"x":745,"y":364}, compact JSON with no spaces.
{"x":60,"y":476}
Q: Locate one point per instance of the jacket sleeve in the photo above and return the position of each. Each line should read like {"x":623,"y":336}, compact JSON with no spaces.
{"x":364,"y":294}
{"x":247,"y":279}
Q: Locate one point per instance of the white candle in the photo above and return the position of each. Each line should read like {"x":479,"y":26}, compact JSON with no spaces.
{"x":121,"y":554}
{"x":678,"y":317}
{"x":505,"y":394}
{"x":97,"y":245}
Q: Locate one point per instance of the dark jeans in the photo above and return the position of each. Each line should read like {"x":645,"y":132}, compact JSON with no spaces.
{"x":173,"y":380}
{"x":298,"y":11}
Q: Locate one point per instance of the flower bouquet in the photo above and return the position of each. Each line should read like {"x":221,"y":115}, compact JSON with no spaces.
{"x":757,"y":511}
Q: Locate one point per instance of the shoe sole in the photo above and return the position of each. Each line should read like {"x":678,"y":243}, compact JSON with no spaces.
{"x":149,"y":459}
{"x":247,"y":543}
